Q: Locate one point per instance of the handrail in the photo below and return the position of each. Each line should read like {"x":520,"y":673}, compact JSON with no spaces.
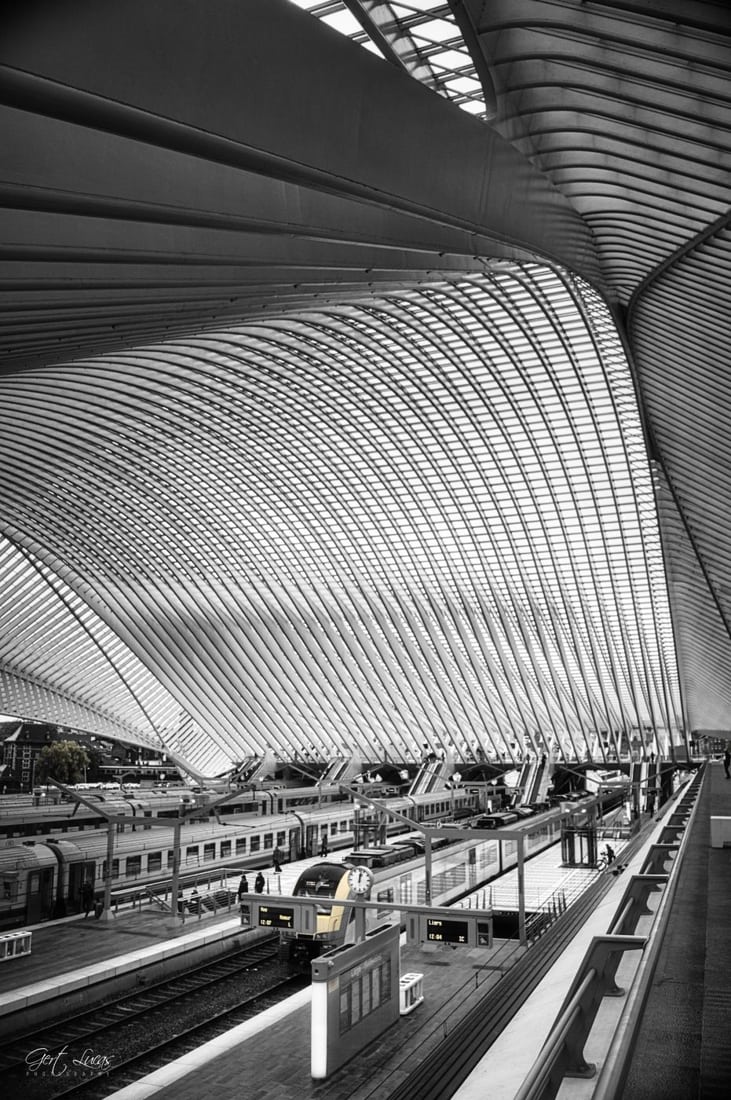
{"x":616,"y":1064}
{"x":162,"y":902}
{"x":562,"y":1053}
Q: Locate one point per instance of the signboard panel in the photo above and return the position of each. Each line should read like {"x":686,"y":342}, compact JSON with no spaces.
{"x":471,"y":928}
{"x":276,"y":916}
{"x":447,"y":931}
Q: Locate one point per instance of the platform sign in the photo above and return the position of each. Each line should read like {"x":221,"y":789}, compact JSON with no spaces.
{"x":276,"y":916}
{"x":355,"y":997}
{"x":447,"y":931}
{"x":469,"y":929}
{"x":298,"y":916}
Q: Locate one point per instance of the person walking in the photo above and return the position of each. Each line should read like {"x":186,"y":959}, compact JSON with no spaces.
{"x":259,"y":883}
{"x":727,"y":761}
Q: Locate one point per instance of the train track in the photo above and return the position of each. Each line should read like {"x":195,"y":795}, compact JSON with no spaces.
{"x":449,"y":1062}
{"x":104,"y":1049}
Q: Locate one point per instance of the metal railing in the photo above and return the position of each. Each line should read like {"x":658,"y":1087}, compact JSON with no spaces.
{"x":563,"y":1052}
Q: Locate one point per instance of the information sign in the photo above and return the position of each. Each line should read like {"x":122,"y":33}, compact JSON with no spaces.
{"x":447,"y":931}
{"x":276,"y":916}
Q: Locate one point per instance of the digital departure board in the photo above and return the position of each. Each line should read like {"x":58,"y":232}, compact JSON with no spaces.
{"x":447,"y":931}
{"x":276,"y":916}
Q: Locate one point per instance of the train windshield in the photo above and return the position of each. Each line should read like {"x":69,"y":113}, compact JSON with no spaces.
{"x":320,"y":881}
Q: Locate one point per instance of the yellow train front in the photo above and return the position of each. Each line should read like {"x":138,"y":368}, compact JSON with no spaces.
{"x":334,"y":925}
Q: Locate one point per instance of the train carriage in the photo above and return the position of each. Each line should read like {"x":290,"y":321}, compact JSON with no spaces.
{"x":28,"y":880}
{"x":143,"y":849}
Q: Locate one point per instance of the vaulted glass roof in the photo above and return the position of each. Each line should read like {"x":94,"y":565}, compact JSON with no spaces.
{"x":341,"y":385}
{"x":423,"y":517}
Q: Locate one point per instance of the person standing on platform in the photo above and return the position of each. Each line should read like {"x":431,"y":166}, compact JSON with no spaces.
{"x":87,"y":897}
{"x":259,"y":883}
{"x":243,"y":886}
{"x":323,"y":847}
{"x":727,"y":761}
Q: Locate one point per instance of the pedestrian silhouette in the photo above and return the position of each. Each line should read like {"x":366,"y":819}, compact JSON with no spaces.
{"x":87,"y":897}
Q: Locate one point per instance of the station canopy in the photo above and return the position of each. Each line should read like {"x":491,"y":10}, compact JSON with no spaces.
{"x":357,"y":400}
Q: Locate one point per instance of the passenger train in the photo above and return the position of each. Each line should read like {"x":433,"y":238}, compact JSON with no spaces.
{"x":49,"y":813}
{"x":41,"y":880}
{"x":458,"y":867}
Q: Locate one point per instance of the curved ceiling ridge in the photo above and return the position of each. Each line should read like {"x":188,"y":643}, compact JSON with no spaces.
{"x":290,"y":391}
{"x":355,"y":524}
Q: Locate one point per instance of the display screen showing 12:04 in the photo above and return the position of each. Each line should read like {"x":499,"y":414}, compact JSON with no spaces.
{"x":446,"y":931}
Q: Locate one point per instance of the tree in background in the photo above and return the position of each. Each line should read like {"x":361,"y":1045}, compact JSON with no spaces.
{"x":62,"y":760}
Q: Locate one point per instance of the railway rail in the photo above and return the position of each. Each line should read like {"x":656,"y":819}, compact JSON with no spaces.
{"x":114,"y":1044}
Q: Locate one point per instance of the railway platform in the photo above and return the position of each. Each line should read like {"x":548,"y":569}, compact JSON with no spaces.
{"x":71,"y":955}
{"x":270,"y":1057}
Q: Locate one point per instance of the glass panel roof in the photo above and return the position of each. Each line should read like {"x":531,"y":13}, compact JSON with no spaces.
{"x":425,"y":516}
{"x":427,"y":36}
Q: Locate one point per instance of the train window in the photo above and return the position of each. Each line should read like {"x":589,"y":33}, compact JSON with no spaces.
{"x":34,"y":882}
{"x":333,"y":828}
{"x":281,"y":840}
{"x":10,"y":889}
{"x":240,"y":845}
{"x":115,"y":869}
{"x":268,"y":840}
{"x":133,"y":866}
{"x":192,"y":853}
{"x":488,"y":854}
{"x":209,"y":852}
{"x":154,"y":861}
{"x":255,"y":843}
{"x":171,"y":857}
{"x":225,"y":848}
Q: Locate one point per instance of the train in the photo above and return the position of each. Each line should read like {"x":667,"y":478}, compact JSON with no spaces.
{"x":52,"y":811}
{"x":42,"y":880}
{"x":398,"y":873}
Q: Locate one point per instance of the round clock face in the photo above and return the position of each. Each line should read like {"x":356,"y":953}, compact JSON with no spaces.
{"x":360,"y":880}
